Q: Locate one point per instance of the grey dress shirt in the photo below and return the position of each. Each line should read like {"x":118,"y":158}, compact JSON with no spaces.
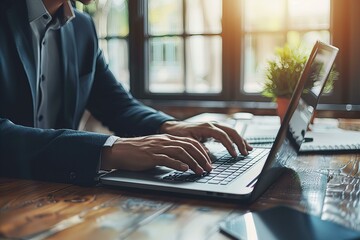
{"x":47,"y":58}
{"x":45,"y":30}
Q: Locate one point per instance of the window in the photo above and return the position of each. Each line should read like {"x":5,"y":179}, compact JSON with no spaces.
{"x":269,"y":24}
{"x":184,"y":46}
{"x":206,"y":49}
{"x":111,"y":18}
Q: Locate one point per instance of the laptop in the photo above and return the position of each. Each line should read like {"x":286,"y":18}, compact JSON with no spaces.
{"x":244,"y":178}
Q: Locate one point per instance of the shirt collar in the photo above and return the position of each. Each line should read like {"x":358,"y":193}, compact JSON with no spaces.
{"x":37,"y":10}
{"x":68,"y":12}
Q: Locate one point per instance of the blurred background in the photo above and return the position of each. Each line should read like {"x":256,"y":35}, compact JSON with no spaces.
{"x":191,"y":56}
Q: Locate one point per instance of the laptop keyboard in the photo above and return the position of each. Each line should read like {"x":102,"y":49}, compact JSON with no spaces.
{"x":225,"y":169}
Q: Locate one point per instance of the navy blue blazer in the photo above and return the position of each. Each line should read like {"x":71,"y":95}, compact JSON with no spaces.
{"x":61,"y":155}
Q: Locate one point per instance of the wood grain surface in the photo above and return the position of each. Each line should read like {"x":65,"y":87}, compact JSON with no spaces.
{"x":323,"y":185}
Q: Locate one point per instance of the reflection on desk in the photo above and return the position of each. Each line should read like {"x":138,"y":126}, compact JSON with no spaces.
{"x":323,"y":185}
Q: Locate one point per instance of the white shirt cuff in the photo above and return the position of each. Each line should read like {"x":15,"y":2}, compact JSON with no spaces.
{"x":110,"y":141}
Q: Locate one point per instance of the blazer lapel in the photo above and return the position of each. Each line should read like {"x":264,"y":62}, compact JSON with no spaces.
{"x":70,"y":66}
{"x":20,"y":28}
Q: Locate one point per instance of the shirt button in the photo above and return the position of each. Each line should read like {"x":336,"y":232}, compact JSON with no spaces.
{"x":41,"y":117}
{"x":42,"y":78}
{"x":43,"y":43}
{"x":45,"y":16}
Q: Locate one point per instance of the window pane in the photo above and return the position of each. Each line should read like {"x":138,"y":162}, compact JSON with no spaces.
{"x":203,"y":16}
{"x":89,"y":8}
{"x":258,"y":48}
{"x":263,"y":15}
{"x":296,"y":22}
{"x":117,"y":18}
{"x":116,"y":52}
{"x":307,"y":39}
{"x":203,"y":64}
{"x":111,"y":18}
{"x":165,"y":17}
{"x":166,"y":68}
{"x":309,"y":14}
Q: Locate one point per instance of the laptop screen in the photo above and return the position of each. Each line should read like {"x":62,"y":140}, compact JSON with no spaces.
{"x":314,"y":77}
{"x":301,"y":108}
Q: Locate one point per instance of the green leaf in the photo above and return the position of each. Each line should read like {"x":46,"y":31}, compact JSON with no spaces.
{"x":284,"y":70}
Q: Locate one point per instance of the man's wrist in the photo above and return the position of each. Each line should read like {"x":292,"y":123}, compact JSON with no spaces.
{"x":108,"y":144}
{"x":163,"y":128}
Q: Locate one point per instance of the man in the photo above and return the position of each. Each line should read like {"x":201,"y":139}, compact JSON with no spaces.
{"x":51,"y":70}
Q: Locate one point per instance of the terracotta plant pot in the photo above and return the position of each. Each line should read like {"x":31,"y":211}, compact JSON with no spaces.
{"x":282,"y":106}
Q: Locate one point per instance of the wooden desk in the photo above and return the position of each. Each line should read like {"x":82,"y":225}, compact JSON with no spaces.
{"x":323,"y":185}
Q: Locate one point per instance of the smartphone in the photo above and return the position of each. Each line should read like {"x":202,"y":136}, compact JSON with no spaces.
{"x":282,"y":222}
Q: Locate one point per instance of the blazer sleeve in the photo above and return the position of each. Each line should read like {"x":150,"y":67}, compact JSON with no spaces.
{"x":118,"y":109}
{"x":109,"y":102}
{"x":66,"y":156}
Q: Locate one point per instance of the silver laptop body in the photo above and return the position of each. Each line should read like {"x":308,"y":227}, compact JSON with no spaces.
{"x":251,"y":183}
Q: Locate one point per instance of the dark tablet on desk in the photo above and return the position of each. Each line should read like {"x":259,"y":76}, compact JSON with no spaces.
{"x":283,"y":223}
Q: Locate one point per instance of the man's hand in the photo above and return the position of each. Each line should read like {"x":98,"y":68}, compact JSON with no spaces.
{"x":142,"y":153}
{"x":201,"y":131}
{"x":178,"y":147}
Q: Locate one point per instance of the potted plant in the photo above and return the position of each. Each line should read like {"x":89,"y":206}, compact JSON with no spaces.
{"x":283,"y":73}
